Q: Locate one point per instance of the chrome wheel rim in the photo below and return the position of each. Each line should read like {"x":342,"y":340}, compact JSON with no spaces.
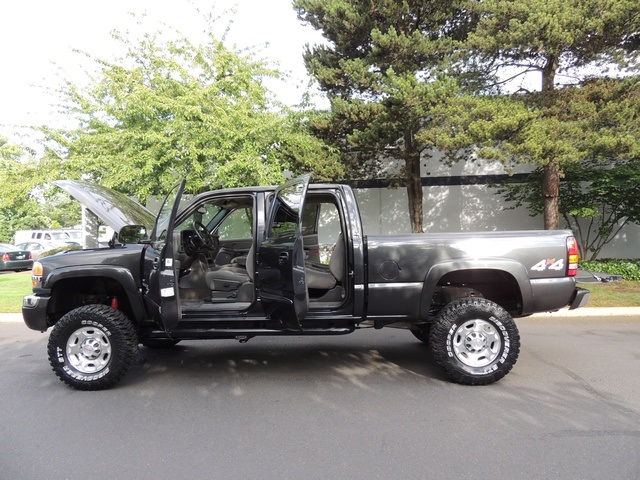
{"x":89,"y":350}
{"x":477,"y":343}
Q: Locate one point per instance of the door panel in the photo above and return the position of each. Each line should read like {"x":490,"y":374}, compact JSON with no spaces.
{"x":162,"y":236}
{"x":281,"y":275}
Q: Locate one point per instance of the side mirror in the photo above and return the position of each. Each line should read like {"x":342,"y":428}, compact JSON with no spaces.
{"x":132,"y":234}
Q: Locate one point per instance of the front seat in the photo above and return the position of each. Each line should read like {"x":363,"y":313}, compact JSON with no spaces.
{"x":323,"y":278}
{"x":230,"y":277}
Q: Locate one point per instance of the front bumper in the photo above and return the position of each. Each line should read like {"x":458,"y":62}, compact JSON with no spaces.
{"x":580,"y":298}
{"x":34,"y":312}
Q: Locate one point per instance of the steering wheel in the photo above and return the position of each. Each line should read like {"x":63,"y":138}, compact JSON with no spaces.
{"x":210,"y":242}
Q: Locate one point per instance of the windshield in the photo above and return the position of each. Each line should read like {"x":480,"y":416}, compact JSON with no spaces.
{"x":204,"y":214}
{"x":159,"y":234}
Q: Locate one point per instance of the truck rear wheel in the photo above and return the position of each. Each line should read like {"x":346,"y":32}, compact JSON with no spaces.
{"x":475,"y":340}
{"x":92,"y":347}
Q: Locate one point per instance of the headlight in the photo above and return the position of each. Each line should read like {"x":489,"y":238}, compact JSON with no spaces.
{"x":36,"y":274}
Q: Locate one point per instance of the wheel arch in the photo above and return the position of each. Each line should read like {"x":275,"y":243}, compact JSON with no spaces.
{"x":72,"y":287}
{"x":489,"y":277}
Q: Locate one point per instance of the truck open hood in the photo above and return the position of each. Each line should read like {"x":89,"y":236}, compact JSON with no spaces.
{"x":113,"y":208}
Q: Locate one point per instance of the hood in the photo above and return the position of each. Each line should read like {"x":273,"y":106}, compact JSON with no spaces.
{"x":113,"y":208}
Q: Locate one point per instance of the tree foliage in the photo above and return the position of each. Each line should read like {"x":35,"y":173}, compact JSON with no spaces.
{"x":596,"y":201}
{"x":384,"y":70}
{"x":592,"y":129}
{"x":173,"y":107}
{"x":554,"y":38}
{"x":23,"y":206}
{"x":405,"y":76}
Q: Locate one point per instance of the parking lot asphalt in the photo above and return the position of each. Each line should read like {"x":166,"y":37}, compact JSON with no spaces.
{"x":371,"y":405}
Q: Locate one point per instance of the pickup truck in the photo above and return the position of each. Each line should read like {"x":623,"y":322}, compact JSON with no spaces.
{"x":293,"y":260}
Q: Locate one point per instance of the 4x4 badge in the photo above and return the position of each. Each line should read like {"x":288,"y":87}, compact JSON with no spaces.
{"x":549,"y":264}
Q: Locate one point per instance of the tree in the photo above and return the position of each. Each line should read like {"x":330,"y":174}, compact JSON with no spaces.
{"x":594,"y":128}
{"x":596,"y":201}
{"x":172,"y":107}
{"x":22,"y":206}
{"x":384,"y":69}
{"x":553,"y":38}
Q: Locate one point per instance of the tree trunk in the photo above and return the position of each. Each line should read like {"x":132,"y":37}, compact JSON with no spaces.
{"x":549,"y":73}
{"x":414,"y":184}
{"x":551,"y":176}
{"x":550,"y":189}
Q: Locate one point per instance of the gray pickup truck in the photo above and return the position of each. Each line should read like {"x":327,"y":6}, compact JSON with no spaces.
{"x":292,"y":260}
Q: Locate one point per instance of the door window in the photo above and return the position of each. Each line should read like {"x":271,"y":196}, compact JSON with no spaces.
{"x":237,"y":225}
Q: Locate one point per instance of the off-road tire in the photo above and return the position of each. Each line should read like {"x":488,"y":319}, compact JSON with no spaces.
{"x":475,"y":341}
{"x":92,"y":347}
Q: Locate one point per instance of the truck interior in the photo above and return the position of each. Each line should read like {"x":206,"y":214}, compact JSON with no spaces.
{"x":216,"y":252}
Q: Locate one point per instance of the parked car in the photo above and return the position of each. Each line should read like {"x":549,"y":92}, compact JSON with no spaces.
{"x":22,"y":236}
{"x":39,"y":247}
{"x":14,"y":258}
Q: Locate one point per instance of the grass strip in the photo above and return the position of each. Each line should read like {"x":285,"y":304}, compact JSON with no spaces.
{"x":13,"y":286}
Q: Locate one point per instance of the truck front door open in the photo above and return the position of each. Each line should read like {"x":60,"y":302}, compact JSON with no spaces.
{"x":281,"y":276}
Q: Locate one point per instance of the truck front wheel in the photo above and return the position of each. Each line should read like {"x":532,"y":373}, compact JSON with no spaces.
{"x":475,"y":340}
{"x":92,"y":347}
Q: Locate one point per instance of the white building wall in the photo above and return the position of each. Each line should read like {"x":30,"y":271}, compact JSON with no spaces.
{"x":456,"y":208}
{"x":465,"y":208}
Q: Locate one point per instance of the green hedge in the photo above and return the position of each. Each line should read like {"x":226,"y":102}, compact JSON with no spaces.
{"x":628,"y":268}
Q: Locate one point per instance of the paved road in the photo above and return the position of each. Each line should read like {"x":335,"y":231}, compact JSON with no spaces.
{"x":368,"y":405}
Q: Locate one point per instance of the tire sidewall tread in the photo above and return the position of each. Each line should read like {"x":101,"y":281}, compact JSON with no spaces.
{"x":122,"y":336}
{"x":451,"y":317}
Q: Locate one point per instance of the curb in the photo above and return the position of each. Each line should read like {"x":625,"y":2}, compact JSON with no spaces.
{"x":11,"y":317}
{"x":593,"y":312}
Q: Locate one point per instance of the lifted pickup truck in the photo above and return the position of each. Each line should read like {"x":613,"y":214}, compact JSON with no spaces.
{"x":243,"y":262}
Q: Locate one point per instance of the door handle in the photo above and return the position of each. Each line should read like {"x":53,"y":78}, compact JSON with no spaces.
{"x":283,"y":257}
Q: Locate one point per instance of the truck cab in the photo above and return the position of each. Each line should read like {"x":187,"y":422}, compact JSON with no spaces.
{"x":277,"y":258}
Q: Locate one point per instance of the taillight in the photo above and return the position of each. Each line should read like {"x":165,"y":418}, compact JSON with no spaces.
{"x":573,"y":257}
{"x":5,"y":257}
{"x":30,"y":256}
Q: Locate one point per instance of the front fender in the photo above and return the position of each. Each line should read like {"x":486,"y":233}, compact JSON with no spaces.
{"x":511,"y":267}
{"x":120,"y":274}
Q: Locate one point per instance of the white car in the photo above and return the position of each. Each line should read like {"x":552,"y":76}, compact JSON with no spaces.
{"x":38,"y":247}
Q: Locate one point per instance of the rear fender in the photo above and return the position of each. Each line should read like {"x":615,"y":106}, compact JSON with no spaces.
{"x":438,"y":271}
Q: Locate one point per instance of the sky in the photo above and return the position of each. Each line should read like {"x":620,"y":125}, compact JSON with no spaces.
{"x":38,"y":39}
